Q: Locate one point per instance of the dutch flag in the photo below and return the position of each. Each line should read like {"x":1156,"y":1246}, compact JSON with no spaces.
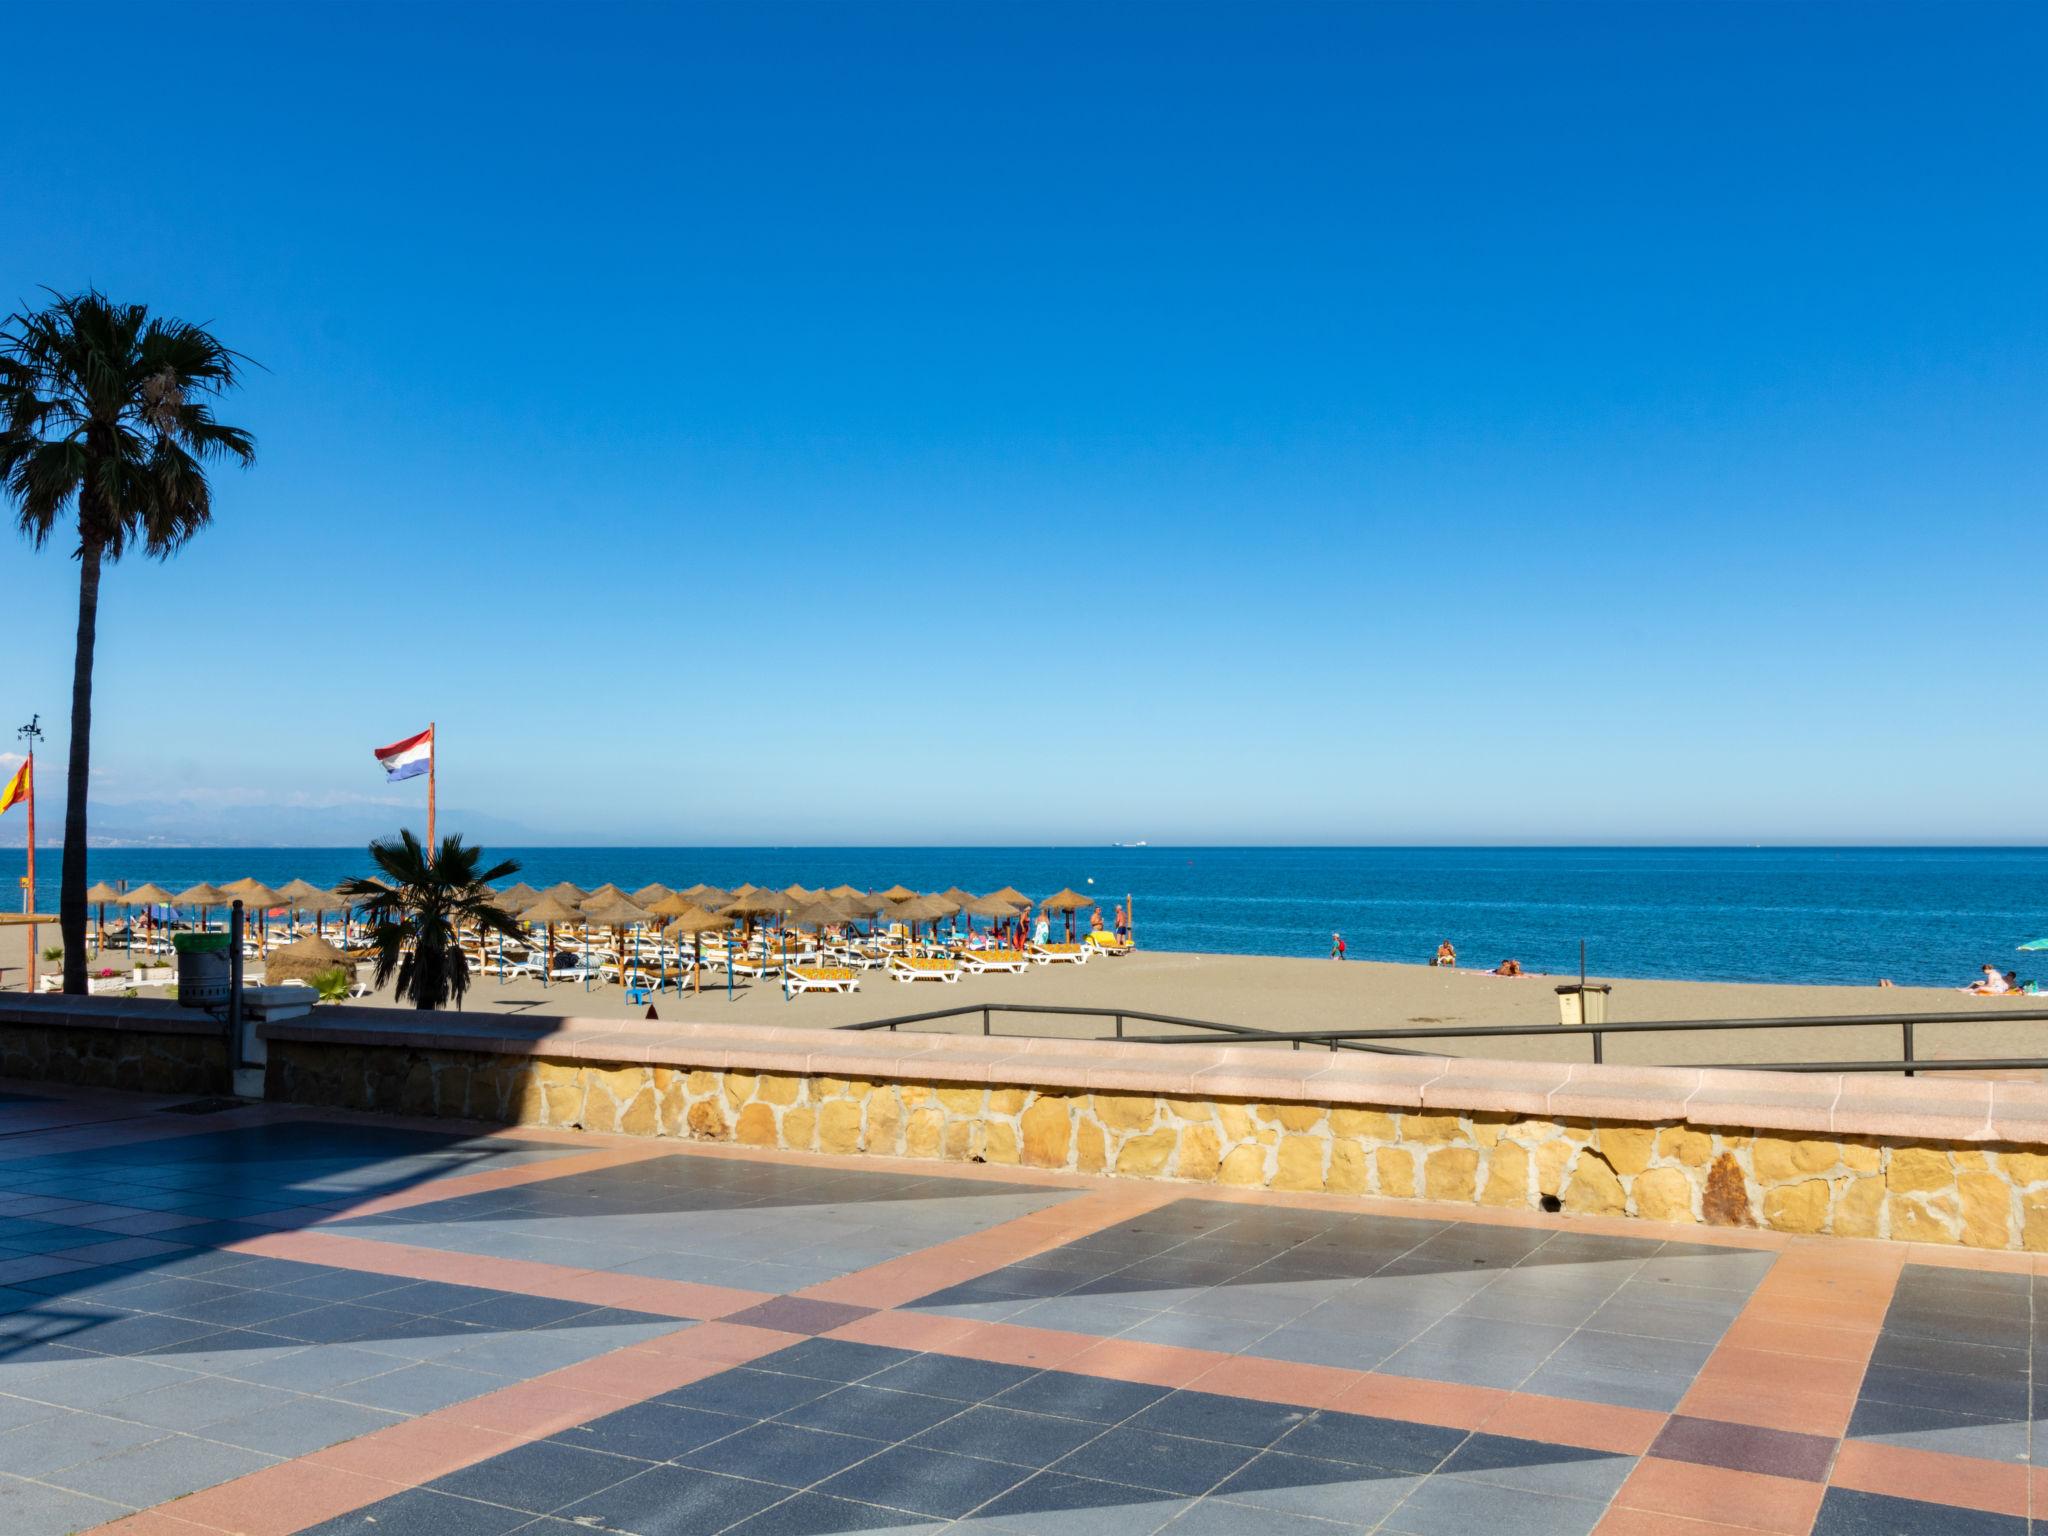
{"x":407,"y":759}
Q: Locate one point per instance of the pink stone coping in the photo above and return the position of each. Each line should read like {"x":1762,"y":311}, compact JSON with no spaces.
{"x":1937,"y":1108}
{"x":128,"y":1015}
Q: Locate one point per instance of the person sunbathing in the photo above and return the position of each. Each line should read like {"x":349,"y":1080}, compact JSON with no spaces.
{"x":1993,"y":984}
{"x":1508,"y":968}
{"x":1446,"y":954}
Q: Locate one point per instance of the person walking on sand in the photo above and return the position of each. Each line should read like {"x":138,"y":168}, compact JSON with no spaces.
{"x":1336,"y":946}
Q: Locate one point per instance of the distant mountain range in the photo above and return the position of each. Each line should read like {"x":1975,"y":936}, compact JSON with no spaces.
{"x":178,"y":824}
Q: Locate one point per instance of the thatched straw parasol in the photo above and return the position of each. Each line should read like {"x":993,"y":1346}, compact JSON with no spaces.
{"x":565,"y":892}
{"x":515,"y":898}
{"x":549,"y":910}
{"x":99,"y":896}
{"x":748,"y":889}
{"x":648,"y":895}
{"x":145,"y":897}
{"x":303,"y":959}
{"x":898,"y":893}
{"x":604,"y":893}
{"x":801,"y":896}
{"x":295,"y":891}
{"x":202,"y":896}
{"x":756,"y":904}
{"x":709,"y":897}
{"x":845,"y":891}
{"x":1069,"y":902}
{"x":1012,"y":895}
{"x":259,"y":898}
{"x":618,"y":912}
{"x":693,"y":924}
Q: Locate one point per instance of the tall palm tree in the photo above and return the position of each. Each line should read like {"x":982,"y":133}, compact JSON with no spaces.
{"x":103,"y":416}
{"x":415,"y":910}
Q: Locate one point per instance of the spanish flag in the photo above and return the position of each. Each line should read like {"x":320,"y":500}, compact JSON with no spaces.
{"x":17,"y":787}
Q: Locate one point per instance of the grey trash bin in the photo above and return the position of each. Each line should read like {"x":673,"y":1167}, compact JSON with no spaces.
{"x":1582,"y":1002}
{"x":204,"y":968}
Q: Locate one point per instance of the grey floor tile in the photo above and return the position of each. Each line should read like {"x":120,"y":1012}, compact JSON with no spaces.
{"x":46,"y":1447}
{"x":1539,"y":1468}
{"x":672,"y":1501}
{"x":1059,"y":1504}
{"x":1212,"y":1416}
{"x":1455,"y":1506}
{"x":859,"y":1409}
{"x":300,"y":1427}
{"x":1095,"y":1399}
{"x":814,"y":1514}
{"x":1323,"y":1490}
{"x":422,"y":1512}
{"x":541,"y":1477}
{"x":36,"y":1509}
{"x":103,"y":1381}
{"x":1622,"y":1389}
{"x":925,"y":1482}
{"x":1004,"y":1434}
{"x":198,"y":1401}
{"x":783,"y":1453}
{"x":1145,"y":1459}
{"x":417,"y":1388}
{"x":1214,"y":1516}
{"x":143,"y":1475}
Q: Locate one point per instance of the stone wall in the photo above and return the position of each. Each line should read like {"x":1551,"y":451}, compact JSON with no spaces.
{"x":145,"y":1061}
{"x":1985,"y":1195}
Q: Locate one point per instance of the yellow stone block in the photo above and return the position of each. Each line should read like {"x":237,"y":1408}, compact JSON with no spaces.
{"x":1198,"y":1154}
{"x":799,"y":1127}
{"x":1348,"y":1175}
{"x":1296,"y":1117}
{"x":1627,"y":1148}
{"x":2024,"y":1167}
{"x":1917,"y":1170}
{"x":1090,"y":1151}
{"x":1048,"y":1127}
{"x":1126,"y":1112}
{"x":1776,"y":1159}
{"x":1594,"y":1190}
{"x":1507,"y":1175}
{"x":1662,"y":1194}
{"x":564,"y":1103}
{"x":2034,"y":1213}
{"x":1916,"y":1221}
{"x":839,"y":1126}
{"x":779,"y":1088}
{"x":1451,"y":1173}
{"x":1370,"y":1124}
{"x":1396,"y":1167}
{"x":674,"y":1109}
{"x":739,"y":1087}
{"x":600,"y":1114}
{"x":914,"y":1094}
{"x":1301,"y":1163}
{"x":921,"y":1132}
{"x":1863,"y":1156}
{"x":1683,"y":1144}
{"x":1190,"y":1109}
{"x":1533,"y":1130}
{"x":961,"y":1141}
{"x":962,"y":1101}
{"x":755,"y":1126}
{"x":701,"y":1082}
{"x":1487,"y":1129}
{"x":1971,"y":1160}
{"x":559,"y":1072}
{"x":885,"y":1122}
{"x":1145,"y":1156}
{"x":1552,"y":1158}
{"x":1235,"y":1119}
{"x":1859,"y":1209}
{"x":1986,"y":1210}
{"x":1801,"y":1207}
{"x":999,"y":1142}
{"x":707,"y":1119}
{"x":1431,"y":1126}
{"x":641,"y":1117}
{"x":1244,"y":1167}
{"x":1007,"y":1101}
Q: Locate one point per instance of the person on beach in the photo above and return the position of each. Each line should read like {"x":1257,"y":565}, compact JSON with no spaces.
{"x":1446,"y":954}
{"x":1336,"y":946}
{"x":1993,"y":984}
{"x":1042,"y":932}
{"x":1123,"y":923}
{"x":1095,"y":921}
{"x":1508,"y":968}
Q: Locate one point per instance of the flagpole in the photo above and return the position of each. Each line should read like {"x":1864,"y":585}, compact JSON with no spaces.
{"x":433,"y":764}
{"x":29,"y":904}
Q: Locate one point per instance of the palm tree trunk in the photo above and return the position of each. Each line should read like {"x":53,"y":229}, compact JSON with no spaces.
{"x":71,"y":893}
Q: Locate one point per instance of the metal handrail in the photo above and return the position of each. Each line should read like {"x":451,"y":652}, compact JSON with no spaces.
{"x":1372,"y":1039}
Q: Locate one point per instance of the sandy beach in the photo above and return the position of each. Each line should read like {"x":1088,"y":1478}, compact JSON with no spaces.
{"x":1290,"y":994}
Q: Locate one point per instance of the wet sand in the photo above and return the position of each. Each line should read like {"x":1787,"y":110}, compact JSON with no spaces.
{"x":1289,"y":994}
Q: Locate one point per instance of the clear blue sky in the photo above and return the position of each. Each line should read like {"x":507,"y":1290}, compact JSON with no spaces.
{"x":1023,"y":423}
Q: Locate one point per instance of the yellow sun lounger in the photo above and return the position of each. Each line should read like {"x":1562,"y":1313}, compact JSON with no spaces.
{"x":1060,"y":954}
{"x":911,"y":969}
{"x":1108,"y":943}
{"x":980,"y":962}
{"x":820,"y":978}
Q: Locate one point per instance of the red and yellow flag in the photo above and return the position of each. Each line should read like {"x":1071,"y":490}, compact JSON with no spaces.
{"x":17,"y":787}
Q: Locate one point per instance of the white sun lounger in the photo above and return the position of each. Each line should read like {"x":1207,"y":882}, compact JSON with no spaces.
{"x":902,"y":970}
{"x":1060,"y":954}
{"x":806,"y":978}
{"x":980,"y":965}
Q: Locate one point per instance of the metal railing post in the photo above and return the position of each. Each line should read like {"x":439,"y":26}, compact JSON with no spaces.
{"x":1119,"y":1026}
{"x":1906,"y":1029}
{"x":1599,"y":1055}
{"x":984,"y":1022}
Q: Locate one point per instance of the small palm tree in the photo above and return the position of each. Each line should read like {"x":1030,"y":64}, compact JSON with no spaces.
{"x":416,"y":909}
{"x":103,"y":418}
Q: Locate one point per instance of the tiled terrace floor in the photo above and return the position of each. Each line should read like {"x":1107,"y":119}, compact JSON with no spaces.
{"x":275,"y":1321}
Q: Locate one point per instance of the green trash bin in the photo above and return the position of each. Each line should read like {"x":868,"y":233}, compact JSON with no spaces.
{"x":205,"y":969}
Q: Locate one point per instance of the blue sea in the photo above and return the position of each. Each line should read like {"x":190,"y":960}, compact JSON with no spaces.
{"x":1925,"y":916}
